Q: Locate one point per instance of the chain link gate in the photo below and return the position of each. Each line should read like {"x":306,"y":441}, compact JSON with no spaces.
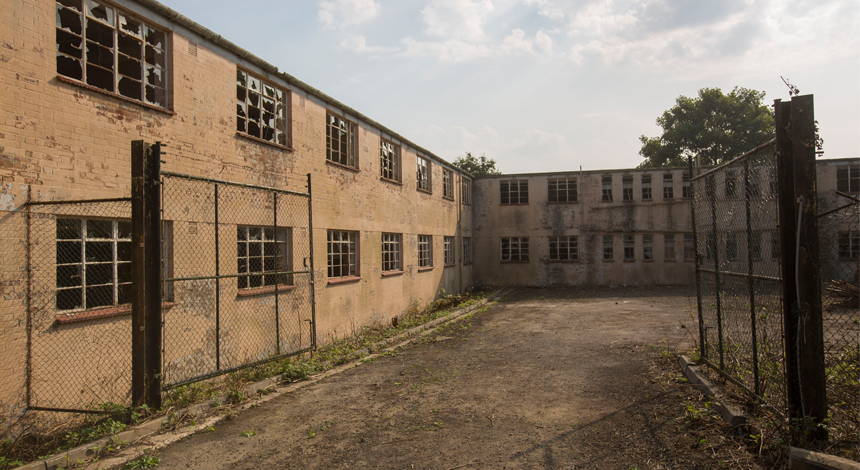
{"x":237,"y":276}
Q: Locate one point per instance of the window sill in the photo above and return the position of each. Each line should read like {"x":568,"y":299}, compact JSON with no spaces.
{"x":628,"y":201}
{"x":263,"y":141}
{"x":425,"y":268}
{"x":448,"y":198}
{"x":605,"y":201}
{"x":341,"y":165}
{"x":343,"y":280}
{"x":467,"y":204}
{"x":450,"y":265}
{"x":668,"y":199}
{"x":153,"y":107}
{"x":515,"y":262}
{"x":563,"y":261}
{"x":99,"y":313}
{"x":398,"y":183}
{"x":630,"y":261}
{"x":422,"y":190}
{"x":513,"y":204}
{"x":647,"y":200}
{"x":608,"y":260}
{"x":391,"y":273}
{"x":255,"y":291}
{"x":467,"y":263}
{"x":647,"y":260}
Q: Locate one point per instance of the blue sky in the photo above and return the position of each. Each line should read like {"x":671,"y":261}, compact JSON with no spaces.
{"x":548,"y":85}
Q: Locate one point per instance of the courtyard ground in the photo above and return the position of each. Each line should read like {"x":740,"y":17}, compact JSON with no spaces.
{"x":552,"y":378}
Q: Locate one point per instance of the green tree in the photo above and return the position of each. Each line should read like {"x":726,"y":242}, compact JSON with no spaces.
{"x":713,"y":126}
{"x":477,"y":166}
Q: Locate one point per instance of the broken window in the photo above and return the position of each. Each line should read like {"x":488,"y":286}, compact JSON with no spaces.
{"x":466,"y":193}
{"x":391,"y":252}
{"x":448,"y":245}
{"x":731,"y":246}
{"x":514,"y":191}
{"x":340,"y":141}
{"x":564,"y":248}
{"x":423,"y":174}
{"x":849,"y":244}
{"x":627,"y":188}
{"x":107,"y":48}
{"x":629,"y":248}
{"x":606,"y":182}
{"x":447,"y":183}
{"x":686,"y":189}
{"x":669,"y":247}
{"x":668,"y":186}
{"x":608,"y":254}
{"x":425,"y":251}
{"x":342,"y":253}
{"x":261,"y":109}
{"x":562,"y":189}
{"x":467,"y":250}
{"x":263,"y":254}
{"x":389,"y":160}
{"x":848,"y":179}
{"x":689,"y":247}
{"x":515,"y":249}
{"x":93,"y":263}
{"x":646,"y":187}
{"x":648,"y":247}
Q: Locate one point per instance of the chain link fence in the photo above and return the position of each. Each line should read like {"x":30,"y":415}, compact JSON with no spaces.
{"x":237,"y":279}
{"x":839,"y":239}
{"x":78,"y":310}
{"x":735,"y":218}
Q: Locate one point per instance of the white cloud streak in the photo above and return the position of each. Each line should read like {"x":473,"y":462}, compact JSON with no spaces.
{"x":458,"y":19}
{"x":342,"y":13}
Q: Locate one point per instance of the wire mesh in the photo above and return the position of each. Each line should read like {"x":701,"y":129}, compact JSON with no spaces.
{"x":839,"y":241}
{"x":736,"y":216}
{"x":237,"y":285}
{"x":79,"y":304}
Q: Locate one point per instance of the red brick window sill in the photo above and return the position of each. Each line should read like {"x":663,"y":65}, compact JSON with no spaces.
{"x":391,"y":273}
{"x":72,"y":81}
{"x":263,"y":141}
{"x":425,"y":268}
{"x":99,"y":313}
{"x":264,"y":290}
{"x":343,"y":280}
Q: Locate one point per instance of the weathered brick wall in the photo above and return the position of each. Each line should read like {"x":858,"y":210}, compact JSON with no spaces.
{"x":60,"y":140}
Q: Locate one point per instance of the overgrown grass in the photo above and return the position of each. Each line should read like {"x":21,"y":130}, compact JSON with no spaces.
{"x":34,"y":436}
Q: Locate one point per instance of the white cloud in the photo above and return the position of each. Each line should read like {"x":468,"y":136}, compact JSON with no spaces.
{"x":547,"y":8}
{"x":359,"y":44}
{"x":342,"y":13}
{"x":458,"y":19}
{"x":456,"y":50}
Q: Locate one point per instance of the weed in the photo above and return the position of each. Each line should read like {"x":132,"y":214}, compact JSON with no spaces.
{"x":311,"y":433}
{"x":248,"y":433}
{"x":145,"y":461}
{"x":208,"y":429}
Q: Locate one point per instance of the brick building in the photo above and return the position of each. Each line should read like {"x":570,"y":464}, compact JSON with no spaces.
{"x":393,"y":224}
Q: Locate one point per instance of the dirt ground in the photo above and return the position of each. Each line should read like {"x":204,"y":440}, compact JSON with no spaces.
{"x":552,"y":378}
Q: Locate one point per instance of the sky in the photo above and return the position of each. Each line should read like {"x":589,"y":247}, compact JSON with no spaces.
{"x":550,"y":85}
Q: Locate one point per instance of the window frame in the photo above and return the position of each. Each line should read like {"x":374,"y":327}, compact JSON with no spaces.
{"x":517,"y":248}
{"x":567,"y":195}
{"x":284,"y":103}
{"x":465,"y":191}
{"x":83,"y":240}
{"x":447,"y":184}
{"x":645,"y":181}
{"x":606,"y":188}
{"x":425,"y":177}
{"x":689,"y":247}
{"x":668,"y":189}
{"x":281,"y":260}
{"x":467,"y":250}
{"x":119,"y":58}
{"x":566,"y":248}
{"x":647,"y":247}
{"x":629,"y":247}
{"x":391,"y":245}
{"x":352,"y":255}
{"x":848,"y":244}
{"x":845,"y":177}
{"x":507,"y":192}
{"x":608,"y":248}
{"x":686,"y":186}
{"x":390,"y":161}
{"x":425,"y":252}
{"x":449,"y":251}
{"x":669,"y":247}
{"x":627,"y":188}
{"x":351,"y":154}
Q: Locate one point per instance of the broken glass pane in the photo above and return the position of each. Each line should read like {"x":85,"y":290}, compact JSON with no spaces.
{"x":240,"y":125}
{"x":241,"y":78}
{"x":156,"y":96}
{"x":154,"y":76}
{"x":73,"y":4}
{"x":130,"y":88}
{"x":129,"y":67}
{"x":268,"y":119}
{"x":254,"y":98}
{"x":130,"y":46}
{"x":281,"y":138}
{"x":268,"y":91}
{"x":241,"y":109}
{"x":69,"y":67}
{"x":253,"y":129}
{"x":241,"y":93}
{"x":154,"y":37}
{"x":99,"y":55}
{"x":281,"y":124}
{"x":100,"y":12}
{"x":100,"y":33}
{"x":69,"y":20}
{"x":268,"y":105}
{"x":254,"y":84}
{"x":69,"y":44}
{"x":130,"y":25}
{"x":154,"y":56}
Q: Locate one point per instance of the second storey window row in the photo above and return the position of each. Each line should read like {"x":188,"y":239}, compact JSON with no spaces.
{"x":107,"y":48}
{"x":514,"y":192}
{"x":340,"y":141}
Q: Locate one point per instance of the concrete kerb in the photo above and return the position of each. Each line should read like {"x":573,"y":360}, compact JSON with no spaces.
{"x":145,"y":438}
{"x":800,"y":459}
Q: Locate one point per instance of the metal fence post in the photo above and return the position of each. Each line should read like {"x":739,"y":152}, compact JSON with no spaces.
{"x":702,"y":351}
{"x":711,"y":245}
{"x":810,"y":339}
{"x":146,"y":275}
{"x":747,"y":192}
{"x":277,"y":275}
{"x":217,"y":287}
{"x":313,"y":286}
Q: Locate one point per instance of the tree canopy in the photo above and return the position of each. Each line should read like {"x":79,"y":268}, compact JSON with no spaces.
{"x":713,"y":126}
{"x":477,"y":166}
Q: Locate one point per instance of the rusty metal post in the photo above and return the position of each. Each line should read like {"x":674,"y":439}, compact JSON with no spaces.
{"x":312,"y":274}
{"x":810,"y":330}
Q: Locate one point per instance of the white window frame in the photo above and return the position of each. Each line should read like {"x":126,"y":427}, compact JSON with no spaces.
{"x":343,"y":254}
{"x":273,"y":248}
{"x":345,"y":133}
{"x":423,"y":175}
{"x":389,"y":161}
{"x":392,"y":252}
{"x":425,"y":251}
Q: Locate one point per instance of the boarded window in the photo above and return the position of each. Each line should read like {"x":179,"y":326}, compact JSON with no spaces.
{"x":669,"y":247}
